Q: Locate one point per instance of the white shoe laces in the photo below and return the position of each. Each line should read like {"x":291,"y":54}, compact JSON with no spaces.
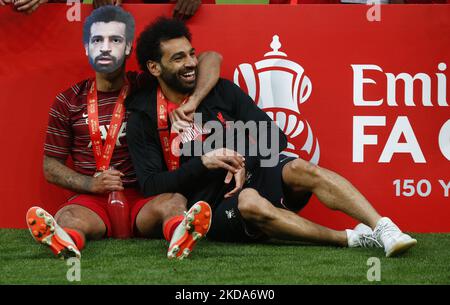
{"x":387,"y":230}
{"x":368,"y":241}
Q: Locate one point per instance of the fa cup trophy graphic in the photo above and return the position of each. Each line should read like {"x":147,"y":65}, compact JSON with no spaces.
{"x":279,"y":86}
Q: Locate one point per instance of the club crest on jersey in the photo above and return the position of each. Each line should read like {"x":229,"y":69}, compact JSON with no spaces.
{"x":230,"y":213}
{"x":279,"y":86}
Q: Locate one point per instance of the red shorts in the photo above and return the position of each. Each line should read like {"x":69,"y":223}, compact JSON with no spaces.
{"x":98,"y":204}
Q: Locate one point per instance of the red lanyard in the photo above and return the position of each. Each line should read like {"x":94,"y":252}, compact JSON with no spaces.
{"x":165,"y":136}
{"x":102,"y":153}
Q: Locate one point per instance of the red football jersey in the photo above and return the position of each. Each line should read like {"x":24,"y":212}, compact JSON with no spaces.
{"x":68,"y":131}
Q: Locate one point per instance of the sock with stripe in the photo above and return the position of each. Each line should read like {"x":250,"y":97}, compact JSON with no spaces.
{"x":77,"y":238}
{"x":170,"y":226}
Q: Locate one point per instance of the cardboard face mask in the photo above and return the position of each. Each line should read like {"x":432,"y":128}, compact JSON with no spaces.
{"x":107,"y":48}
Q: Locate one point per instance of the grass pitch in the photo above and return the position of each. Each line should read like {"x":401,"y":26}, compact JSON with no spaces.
{"x":140,"y":261}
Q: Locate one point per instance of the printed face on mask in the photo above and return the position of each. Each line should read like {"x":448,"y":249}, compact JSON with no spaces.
{"x":108,"y":47}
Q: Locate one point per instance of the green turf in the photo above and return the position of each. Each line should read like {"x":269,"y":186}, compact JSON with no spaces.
{"x":140,"y":261}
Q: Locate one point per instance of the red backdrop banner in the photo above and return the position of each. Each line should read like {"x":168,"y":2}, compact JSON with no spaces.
{"x":367,"y":99}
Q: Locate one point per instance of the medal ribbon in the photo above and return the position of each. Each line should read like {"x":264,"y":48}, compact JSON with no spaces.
{"x":104,"y":153}
{"x":165,"y":136}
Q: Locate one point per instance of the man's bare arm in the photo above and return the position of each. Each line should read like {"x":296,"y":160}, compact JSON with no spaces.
{"x":56,"y":172}
{"x":208,"y":75}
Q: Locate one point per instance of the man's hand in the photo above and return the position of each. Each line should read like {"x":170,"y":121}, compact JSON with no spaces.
{"x":184,"y":112}
{"x":98,"y":3}
{"x":5,"y":2}
{"x":28,"y":6}
{"x":185,"y":9}
{"x":239,"y":179}
{"x":179,"y":126}
{"x":223,"y":158}
{"x":107,"y":181}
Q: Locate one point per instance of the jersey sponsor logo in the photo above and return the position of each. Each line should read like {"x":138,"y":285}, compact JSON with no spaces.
{"x":279,"y":86}
{"x":104,"y":132}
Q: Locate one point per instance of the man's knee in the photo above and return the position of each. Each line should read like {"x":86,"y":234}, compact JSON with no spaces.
{"x":68,"y":217}
{"x":178,"y":200}
{"x":157,"y":210}
{"x":162,"y":205}
{"x":254,"y":207}
{"x":169,"y":201}
{"x":302,"y":175}
{"x":81,"y":219}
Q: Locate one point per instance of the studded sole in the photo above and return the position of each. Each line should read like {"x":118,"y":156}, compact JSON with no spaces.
{"x":197,"y":226}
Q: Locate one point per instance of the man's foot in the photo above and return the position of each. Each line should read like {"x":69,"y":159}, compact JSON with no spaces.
{"x":362,"y":236}
{"x":46,"y":231}
{"x":395,"y":242}
{"x":194,"y":226}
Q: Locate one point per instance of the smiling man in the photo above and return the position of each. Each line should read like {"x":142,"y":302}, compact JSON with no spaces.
{"x":264,"y":201}
{"x":88,"y":122}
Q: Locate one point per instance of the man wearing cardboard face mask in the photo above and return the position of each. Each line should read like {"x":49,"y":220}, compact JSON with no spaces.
{"x":88,"y":122}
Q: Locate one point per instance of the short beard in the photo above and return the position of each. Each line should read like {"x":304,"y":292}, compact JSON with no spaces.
{"x":172,"y":80}
{"x":114,"y":66}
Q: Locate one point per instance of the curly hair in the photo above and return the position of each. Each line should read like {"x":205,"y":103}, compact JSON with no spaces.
{"x":109,"y":13}
{"x":149,"y":41}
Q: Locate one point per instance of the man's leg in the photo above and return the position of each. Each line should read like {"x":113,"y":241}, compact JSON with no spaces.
{"x":283,"y":224}
{"x":181,"y":228}
{"x":338,"y":194}
{"x":156,"y":213}
{"x":331,"y":189}
{"x":66,"y":235}
{"x":83,"y":221}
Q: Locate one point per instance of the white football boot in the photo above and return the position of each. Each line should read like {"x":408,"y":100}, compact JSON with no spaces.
{"x":394,"y":241}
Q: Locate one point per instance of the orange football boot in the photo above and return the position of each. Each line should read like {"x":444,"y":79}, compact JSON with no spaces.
{"x":46,"y":231}
{"x":194,"y":226}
